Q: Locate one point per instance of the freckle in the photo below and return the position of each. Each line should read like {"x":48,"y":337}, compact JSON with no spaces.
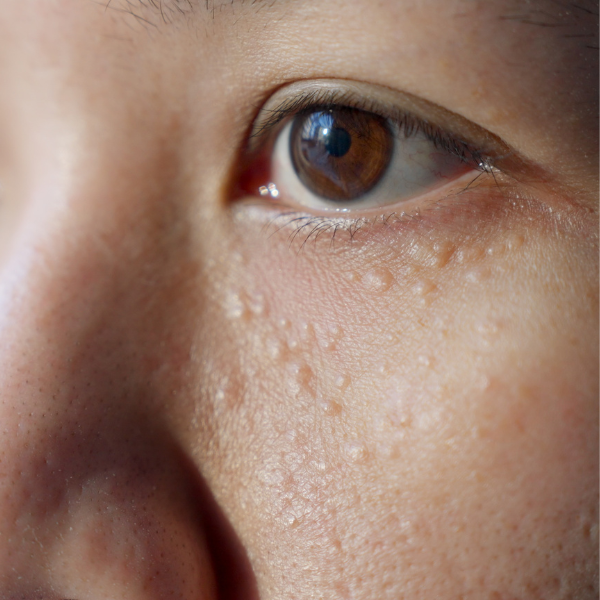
{"x":395,"y":452}
{"x":378,"y":279}
{"x":589,"y":531}
{"x":305,"y":375}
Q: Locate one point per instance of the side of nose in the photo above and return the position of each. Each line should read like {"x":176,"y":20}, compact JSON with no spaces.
{"x":96,"y":499}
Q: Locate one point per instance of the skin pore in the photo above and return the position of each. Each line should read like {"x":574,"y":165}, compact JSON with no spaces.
{"x":198,"y":400}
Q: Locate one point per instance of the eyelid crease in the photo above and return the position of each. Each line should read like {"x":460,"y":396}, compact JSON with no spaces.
{"x":454,"y":133}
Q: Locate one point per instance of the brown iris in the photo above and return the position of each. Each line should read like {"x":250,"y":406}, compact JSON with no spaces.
{"x":342,"y":153}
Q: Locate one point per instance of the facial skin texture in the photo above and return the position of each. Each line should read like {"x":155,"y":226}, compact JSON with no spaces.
{"x":192,"y":408}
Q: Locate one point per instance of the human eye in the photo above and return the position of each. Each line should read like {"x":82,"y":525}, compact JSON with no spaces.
{"x":339,"y":148}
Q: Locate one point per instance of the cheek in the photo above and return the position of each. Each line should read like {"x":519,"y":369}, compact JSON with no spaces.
{"x":413,"y":407}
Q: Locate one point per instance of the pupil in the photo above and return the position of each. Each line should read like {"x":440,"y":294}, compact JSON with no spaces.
{"x":337,"y":141}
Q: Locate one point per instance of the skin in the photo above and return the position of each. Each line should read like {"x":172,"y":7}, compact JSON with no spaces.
{"x":192,"y":406}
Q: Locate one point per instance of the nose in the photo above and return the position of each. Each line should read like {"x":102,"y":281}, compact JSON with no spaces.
{"x":97,"y":498}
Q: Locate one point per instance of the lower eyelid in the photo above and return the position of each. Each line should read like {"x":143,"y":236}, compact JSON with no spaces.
{"x":464,"y":213}
{"x":488,"y":198}
{"x":418,"y":205}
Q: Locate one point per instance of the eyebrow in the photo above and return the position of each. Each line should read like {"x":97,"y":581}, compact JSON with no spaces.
{"x":170,"y":11}
{"x":565,"y":16}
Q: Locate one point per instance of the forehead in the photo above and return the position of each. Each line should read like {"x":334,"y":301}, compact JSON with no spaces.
{"x":547,"y":14}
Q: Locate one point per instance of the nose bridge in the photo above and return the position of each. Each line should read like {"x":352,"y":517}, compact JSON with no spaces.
{"x":103,"y":240}
{"x":89,"y":266}
{"x":94,"y":275}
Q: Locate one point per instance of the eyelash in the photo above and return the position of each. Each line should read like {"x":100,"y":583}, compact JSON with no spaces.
{"x":316,"y":226}
{"x":408,"y":124}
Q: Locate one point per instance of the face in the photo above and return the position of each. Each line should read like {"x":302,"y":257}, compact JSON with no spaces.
{"x":299,"y":300}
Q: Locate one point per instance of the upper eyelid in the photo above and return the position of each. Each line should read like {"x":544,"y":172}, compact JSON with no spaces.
{"x":294,"y":105}
{"x":405,"y":122}
{"x":398,"y":106}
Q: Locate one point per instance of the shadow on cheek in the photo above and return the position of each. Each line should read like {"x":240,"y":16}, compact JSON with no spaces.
{"x":234,"y":576}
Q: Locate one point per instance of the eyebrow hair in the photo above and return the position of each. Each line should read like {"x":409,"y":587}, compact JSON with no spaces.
{"x":566,"y":16}
{"x":562,"y":15}
{"x":169,"y":11}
